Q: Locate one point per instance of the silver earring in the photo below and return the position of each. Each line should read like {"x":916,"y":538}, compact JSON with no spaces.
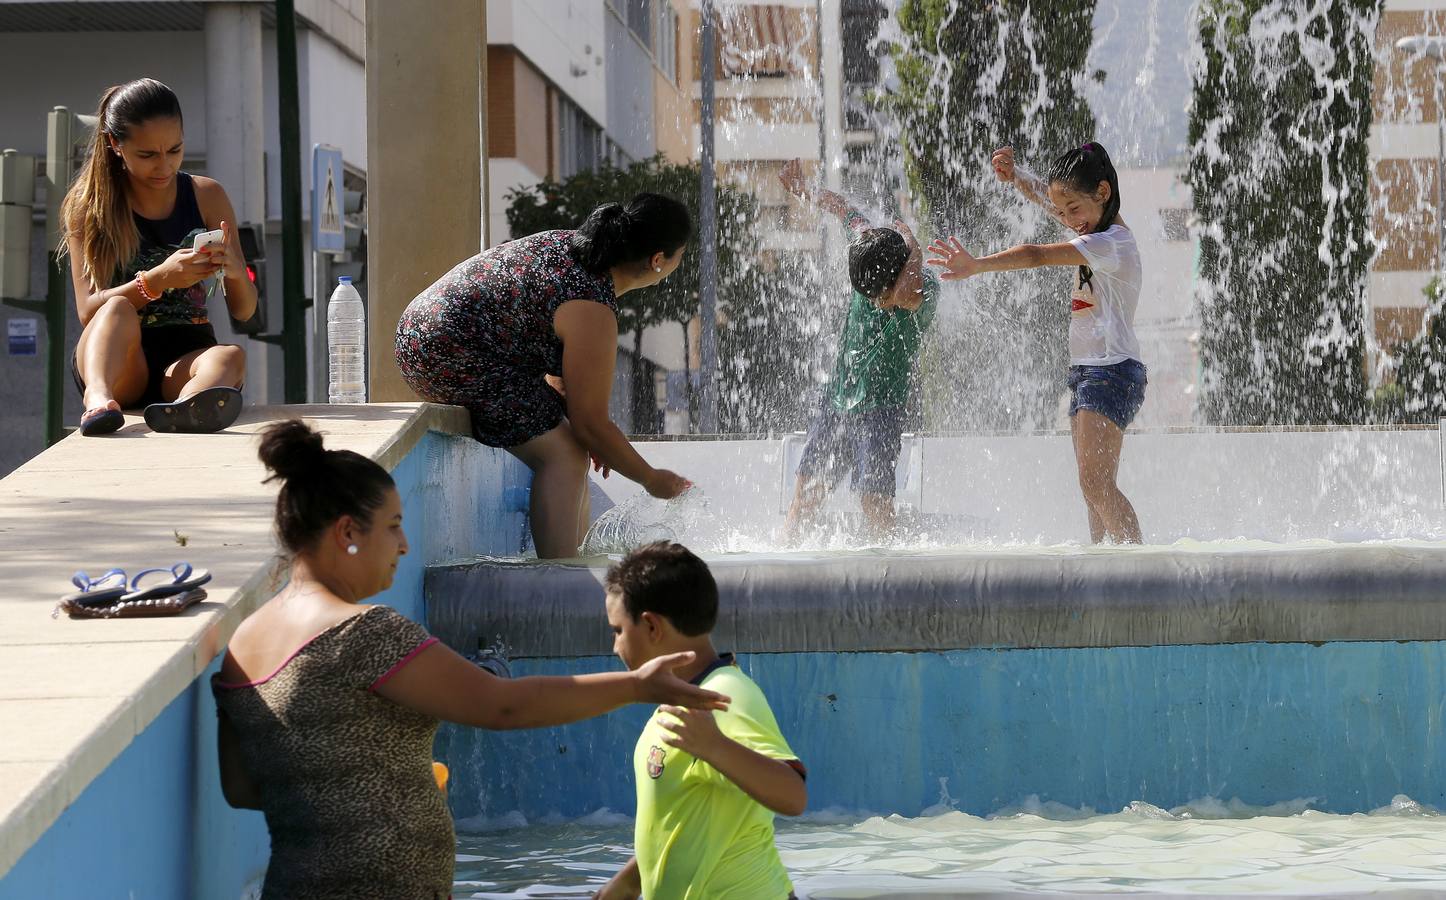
{"x":352,"y":550}
{"x":657,"y":268}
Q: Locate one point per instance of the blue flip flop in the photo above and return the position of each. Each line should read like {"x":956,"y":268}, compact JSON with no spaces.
{"x":107,"y":588}
{"x":102,"y":421}
{"x":203,"y":412}
{"x":182,"y":579}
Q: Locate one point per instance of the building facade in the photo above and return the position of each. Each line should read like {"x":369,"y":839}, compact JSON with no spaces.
{"x":1405,"y":150}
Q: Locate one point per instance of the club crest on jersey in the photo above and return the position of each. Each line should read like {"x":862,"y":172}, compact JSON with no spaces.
{"x":655,"y":762}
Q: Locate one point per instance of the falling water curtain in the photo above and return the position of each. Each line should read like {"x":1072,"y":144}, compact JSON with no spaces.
{"x":1279,"y":168}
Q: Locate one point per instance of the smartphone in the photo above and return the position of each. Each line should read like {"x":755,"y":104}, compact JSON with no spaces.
{"x":216,"y":238}
{"x":208,"y":238}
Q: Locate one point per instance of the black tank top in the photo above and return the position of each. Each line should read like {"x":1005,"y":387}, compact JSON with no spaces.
{"x":159,"y":239}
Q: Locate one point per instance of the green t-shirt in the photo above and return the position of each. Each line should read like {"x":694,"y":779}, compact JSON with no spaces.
{"x":698,"y":836}
{"x":877,"y":348}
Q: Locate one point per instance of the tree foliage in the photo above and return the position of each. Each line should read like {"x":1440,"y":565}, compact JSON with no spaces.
{"x":1279,"y":123}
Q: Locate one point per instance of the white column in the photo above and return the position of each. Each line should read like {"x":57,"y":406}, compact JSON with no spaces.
{"x":831,"y":13}
{"x":235,"y":151}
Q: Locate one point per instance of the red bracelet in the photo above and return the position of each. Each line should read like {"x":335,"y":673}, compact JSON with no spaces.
{"x":146,"y":294}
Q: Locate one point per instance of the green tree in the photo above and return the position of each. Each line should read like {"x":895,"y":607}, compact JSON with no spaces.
{"x":1419,"y":392}
{"x":1278,"y":167}
{"x":973,"y":76}
{"x":565,"y":204}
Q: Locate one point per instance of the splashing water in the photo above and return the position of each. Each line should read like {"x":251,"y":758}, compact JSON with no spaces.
{"x":1207,"y":846}
{"x":642,"y":519}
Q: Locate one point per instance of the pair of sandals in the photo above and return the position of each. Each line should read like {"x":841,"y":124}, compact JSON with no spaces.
{"x":201,"y":413}
{"x":112,"y":595}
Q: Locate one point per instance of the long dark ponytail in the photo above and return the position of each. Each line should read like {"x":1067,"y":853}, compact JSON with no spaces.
{"x":96,"y":211}
{"x":1082,"y":170}
{"x":614,"y":234}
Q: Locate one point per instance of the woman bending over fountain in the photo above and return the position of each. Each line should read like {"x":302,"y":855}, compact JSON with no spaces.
{"x":1106,"y":377}
{"x":496,"y":332}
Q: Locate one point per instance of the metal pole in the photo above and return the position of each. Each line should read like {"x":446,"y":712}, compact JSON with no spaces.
{"x":55,"y":346}
{"x":707,"y":238}
{"x":59,"y":164}
{"x":320,"y":281}
{"x":293,"y":282}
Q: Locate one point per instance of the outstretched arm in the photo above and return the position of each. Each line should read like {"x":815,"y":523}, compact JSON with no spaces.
{"x":439,"y":683}
{"x":958,"y":263}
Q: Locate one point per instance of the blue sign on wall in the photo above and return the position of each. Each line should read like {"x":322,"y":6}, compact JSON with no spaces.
{"x":328,"y":234}
{"x":22,"y":336}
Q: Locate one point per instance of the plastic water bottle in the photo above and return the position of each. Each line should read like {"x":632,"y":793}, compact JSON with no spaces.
{"x":346,"y":329}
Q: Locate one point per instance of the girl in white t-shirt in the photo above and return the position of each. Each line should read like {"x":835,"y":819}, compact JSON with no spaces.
{"x":1106,"y":377}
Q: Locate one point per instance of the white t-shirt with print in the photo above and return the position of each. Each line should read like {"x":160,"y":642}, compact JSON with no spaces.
{"x":1102,"y":313}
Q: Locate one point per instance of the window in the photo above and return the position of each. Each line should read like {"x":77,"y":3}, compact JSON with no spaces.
{"x":758,"y":41}
{"x":638,"y":19}
{"x":579,"y":139}
{"x":665,"y":39}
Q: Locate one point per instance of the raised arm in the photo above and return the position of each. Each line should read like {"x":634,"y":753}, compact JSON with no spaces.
{"x":824,"y":199}
{"x":216,"y":209}
{"x":1030,"y":186}
{"x":440,"y":683}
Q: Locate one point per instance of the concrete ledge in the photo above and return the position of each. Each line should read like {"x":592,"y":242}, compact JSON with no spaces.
{"x":74,"y":694}
{"x":871,"y":602}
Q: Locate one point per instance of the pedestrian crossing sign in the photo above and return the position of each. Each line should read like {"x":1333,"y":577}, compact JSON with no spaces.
{"x":328,"y":234}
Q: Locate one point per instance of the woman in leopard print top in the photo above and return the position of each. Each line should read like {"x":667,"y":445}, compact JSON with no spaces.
{"x":327,"y":708}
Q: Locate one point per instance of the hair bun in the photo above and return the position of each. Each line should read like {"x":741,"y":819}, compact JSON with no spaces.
{"x":291,"y":449}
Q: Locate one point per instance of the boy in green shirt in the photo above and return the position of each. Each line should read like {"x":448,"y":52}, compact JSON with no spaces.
{"x":860,"y":426}
{"x":708,"y":784}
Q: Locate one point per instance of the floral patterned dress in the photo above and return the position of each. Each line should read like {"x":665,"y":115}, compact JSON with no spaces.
{"x":482,"y":336}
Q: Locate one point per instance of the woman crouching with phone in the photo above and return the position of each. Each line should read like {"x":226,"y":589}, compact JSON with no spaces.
{"x":144,"y":266}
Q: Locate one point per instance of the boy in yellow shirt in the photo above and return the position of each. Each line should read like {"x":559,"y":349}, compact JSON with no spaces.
{"x":709,"y":784}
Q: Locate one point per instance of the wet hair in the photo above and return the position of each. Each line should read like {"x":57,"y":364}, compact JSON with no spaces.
{"x":669,"y":580}
{"x":1082,"y":170}
{"x":96,"y":211}
{"x":876,"y":258}
{"x":318,"y":486}
{"x":615,"y":234}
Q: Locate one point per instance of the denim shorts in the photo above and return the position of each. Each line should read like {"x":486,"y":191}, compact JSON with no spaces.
{"x":1115,"y":391}
{"x":865,"y":444}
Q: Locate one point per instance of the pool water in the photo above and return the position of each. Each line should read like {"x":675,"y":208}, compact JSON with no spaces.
{"x":1206,"y":847}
